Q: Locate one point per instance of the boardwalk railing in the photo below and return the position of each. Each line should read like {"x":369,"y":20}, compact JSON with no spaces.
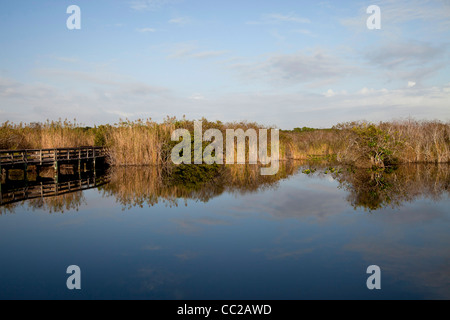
{"x":50,"y":189}
{"x":49,"y":156}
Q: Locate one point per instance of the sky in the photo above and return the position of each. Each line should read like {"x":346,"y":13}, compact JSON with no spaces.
{"x":280,"y":63}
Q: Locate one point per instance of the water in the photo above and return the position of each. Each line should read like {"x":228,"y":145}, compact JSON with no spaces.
{"x":240,"y":236}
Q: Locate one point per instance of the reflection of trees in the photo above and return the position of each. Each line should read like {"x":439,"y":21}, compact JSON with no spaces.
{"x":137,"y":186}
{"x":65,"y":202}
{"x":61,"y":203}
{"x":368,"y":189}
{"x":374,"y":190}
{"x":48,"y":194}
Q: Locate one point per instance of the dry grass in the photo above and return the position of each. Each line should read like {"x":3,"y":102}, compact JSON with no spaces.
{"x":54,"y":134}
{"x":145,"y":142}
{"x":402,"y":141}
{"x":138,"y":143}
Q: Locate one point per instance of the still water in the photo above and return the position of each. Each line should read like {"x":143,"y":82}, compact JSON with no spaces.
{"x":298,"y":235}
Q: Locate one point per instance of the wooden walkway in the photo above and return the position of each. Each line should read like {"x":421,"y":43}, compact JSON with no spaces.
{"x":40,"y":157}
{"x":50,"y":189}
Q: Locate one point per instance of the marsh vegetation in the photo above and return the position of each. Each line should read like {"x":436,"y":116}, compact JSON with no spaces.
{"x":145,"y":142}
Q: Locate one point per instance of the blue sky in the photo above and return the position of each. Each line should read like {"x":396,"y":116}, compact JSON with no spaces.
{"x":283,"y":63}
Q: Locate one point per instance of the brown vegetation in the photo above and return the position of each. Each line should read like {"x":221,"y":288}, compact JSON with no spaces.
{"x":148,"y":143}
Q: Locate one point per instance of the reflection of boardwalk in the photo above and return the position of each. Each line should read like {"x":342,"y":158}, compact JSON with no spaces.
{"x":23,"y":164}
{"x":32,"y":190}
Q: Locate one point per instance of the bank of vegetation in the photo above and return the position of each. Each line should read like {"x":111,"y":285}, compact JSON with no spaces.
{"x":145,"y":142}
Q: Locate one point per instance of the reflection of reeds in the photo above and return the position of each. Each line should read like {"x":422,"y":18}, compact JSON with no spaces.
{"x":247,"y":178}
{"x":55,"y":204}
{"x":134,"y":186}
{"x":65,"y":202}
{"x":377,"y":189}
{"x":368,"y":189}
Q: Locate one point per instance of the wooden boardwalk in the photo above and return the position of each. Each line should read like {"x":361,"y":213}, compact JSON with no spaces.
{"x":41,"y":157}
{"x":32,"y":162}
{"x":49,"y":188}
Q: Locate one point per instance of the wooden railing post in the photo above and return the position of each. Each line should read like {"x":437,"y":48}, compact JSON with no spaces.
{"x":25,"y":170}
{"x":56,"y":165}
{"x":93,"y":155}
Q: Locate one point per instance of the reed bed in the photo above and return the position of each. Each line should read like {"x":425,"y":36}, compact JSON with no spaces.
{"x":145,"y":142}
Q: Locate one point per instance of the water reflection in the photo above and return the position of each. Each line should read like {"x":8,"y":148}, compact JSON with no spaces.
{"x":371,"y":190}
{"x":148,"y":186}
{"x":53,"y":194}
{"x":230,"y":233}
{"x":392,"y":187}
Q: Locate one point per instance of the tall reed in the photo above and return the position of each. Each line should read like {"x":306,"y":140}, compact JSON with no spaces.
{"x":139,"y":142}
{"x":145,"y":142}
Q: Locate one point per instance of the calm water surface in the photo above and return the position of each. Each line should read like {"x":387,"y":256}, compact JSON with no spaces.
{"x":241,"y":236}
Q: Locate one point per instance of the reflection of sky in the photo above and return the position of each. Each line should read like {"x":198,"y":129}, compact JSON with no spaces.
{"x":301,"y":240}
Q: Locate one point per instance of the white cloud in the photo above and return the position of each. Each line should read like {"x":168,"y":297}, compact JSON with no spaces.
{"x":197,"y":96}
{"x":394,"y":13}
{"x":132,"y":99}
{"x":190,"y":51}
{"x":399,"y":54}
{"x":291,"y":17}
{"x":180,"y":20}
{"x":150,"y":5}
{"x":316,"y":68}
{"x":67,"y":59}
{"x":330,"y":93}
{"x":366,"y":91}
{"x":145,"y":30}
{"x":303,"y":31}
{"x":277,"y":18}
{"x":207,"y":54}
{"x":401,"y":11}
{"x":407,"y":60}
{"x":411,"y":84}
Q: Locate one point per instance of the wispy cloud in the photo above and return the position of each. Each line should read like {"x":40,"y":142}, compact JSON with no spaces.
{"x":300,"y":67}
{"x":127,"y":98}
{"x":180,"y":20}
{"x":145,"y":30}
{"x":303,"y":31}
{"x":412,"y":53}
{"x":402,"y":11}
{"x":277,"y":18}
{"x":207,"y":54}
{"x":291,"y":17}
{"x":190,"y":51}
{"x":197,"y":96}
{"x":408,"y":60}
{"x":409,"y":10}
{"x":67,"y":59}
{"x":150,"y":5}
